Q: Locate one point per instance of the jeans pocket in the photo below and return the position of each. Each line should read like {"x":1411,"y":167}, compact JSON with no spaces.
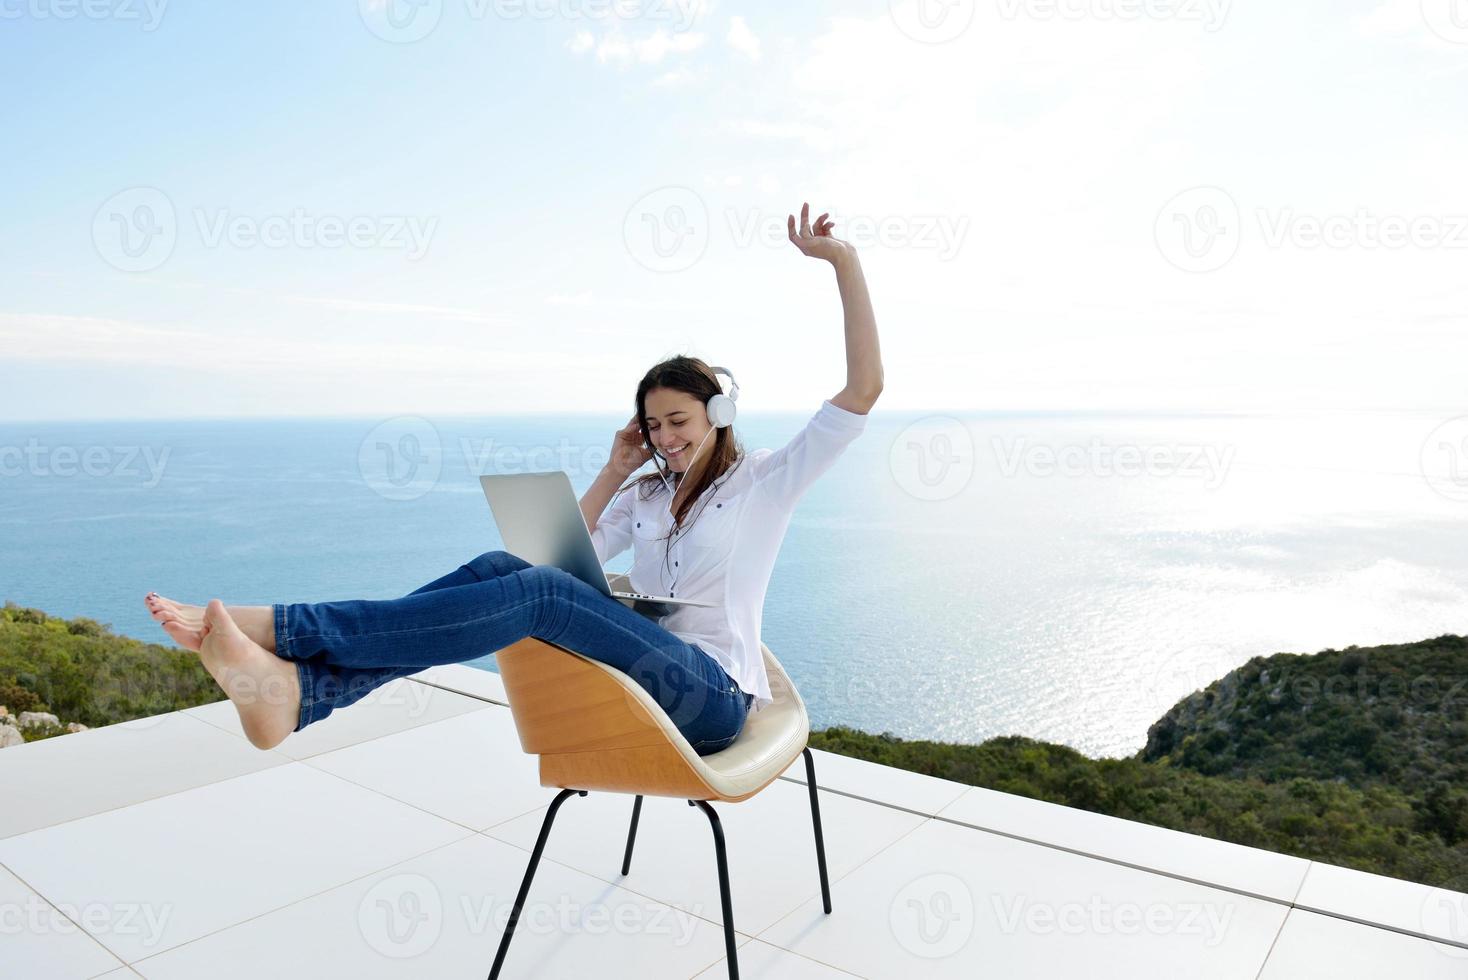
{"x":710,"y":746}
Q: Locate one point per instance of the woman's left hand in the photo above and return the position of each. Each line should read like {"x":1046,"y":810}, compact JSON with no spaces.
{"x":817,"y":242}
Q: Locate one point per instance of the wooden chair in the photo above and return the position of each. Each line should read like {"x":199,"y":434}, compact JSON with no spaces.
{"x":595,"y":728}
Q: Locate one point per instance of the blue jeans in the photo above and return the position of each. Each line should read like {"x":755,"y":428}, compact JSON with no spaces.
{"x":344,"y":650}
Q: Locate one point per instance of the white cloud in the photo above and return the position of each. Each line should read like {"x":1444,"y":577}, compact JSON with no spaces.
{"x":676,"y":77}
{"x":409,"y":309}
{"x":742,"y":39}
{"x":617,"y":47}
{"x":1391,"y":18}
{"x":811,"y":134}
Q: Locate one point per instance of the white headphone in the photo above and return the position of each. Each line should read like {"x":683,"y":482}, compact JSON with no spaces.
{"x":721,"y":411}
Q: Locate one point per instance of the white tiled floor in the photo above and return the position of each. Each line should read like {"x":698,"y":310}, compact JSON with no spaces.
{"x":1322,"y":947}
{"x":1433,"y":913}
{"x":390,"y":839}
{"x":1248,"y":870}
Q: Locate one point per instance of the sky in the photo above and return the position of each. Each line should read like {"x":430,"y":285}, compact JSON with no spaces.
{"x":345,"y":208}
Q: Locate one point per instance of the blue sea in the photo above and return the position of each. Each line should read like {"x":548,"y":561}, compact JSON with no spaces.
{"x":956,"y":577}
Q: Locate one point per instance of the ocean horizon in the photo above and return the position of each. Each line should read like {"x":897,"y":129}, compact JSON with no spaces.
{"x":1063,"y":576}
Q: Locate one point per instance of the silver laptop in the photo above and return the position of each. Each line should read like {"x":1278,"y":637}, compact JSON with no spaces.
{"x":540,"y":521}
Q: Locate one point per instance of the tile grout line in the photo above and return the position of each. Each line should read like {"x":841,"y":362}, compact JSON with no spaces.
{"x":620,"y":882}
{"x":148,"y":799}
{"x":1274,"y":942}
{"x":79,"y":927}
{"x":879,"y":852}
{"x":1287,"y":903}
{"x":298,"y":901}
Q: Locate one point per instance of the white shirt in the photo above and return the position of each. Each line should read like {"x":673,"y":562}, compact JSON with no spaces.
{"x":727,"y":548}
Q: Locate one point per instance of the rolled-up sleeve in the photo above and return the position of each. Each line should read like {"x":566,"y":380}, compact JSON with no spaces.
{"x":613,"y":531}
{"x":786,"y":473}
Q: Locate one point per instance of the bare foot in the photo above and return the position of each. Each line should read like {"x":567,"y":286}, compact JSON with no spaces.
{"x":257,"y":622}
{"x":265,"y":689}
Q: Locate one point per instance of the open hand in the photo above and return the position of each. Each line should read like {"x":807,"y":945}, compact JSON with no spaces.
{"x":817,"y":242}
{"x":629,"y":450}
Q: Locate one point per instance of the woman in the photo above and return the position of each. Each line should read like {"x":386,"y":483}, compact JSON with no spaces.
{"x":287,"y":665}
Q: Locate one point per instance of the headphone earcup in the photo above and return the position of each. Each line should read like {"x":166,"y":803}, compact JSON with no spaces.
{"x":721,"y":411}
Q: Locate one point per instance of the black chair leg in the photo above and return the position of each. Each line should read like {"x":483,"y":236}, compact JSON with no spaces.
{"x":730,"y":950}
{"x":631,"y":835}
{"x":815,"y":816}
{"x":545,"y":826}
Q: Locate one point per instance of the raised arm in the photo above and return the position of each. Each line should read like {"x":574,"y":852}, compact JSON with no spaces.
{"x":863,"y":355}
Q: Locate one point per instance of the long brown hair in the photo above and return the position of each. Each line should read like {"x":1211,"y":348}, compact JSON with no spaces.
{"x":696,"y":378}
